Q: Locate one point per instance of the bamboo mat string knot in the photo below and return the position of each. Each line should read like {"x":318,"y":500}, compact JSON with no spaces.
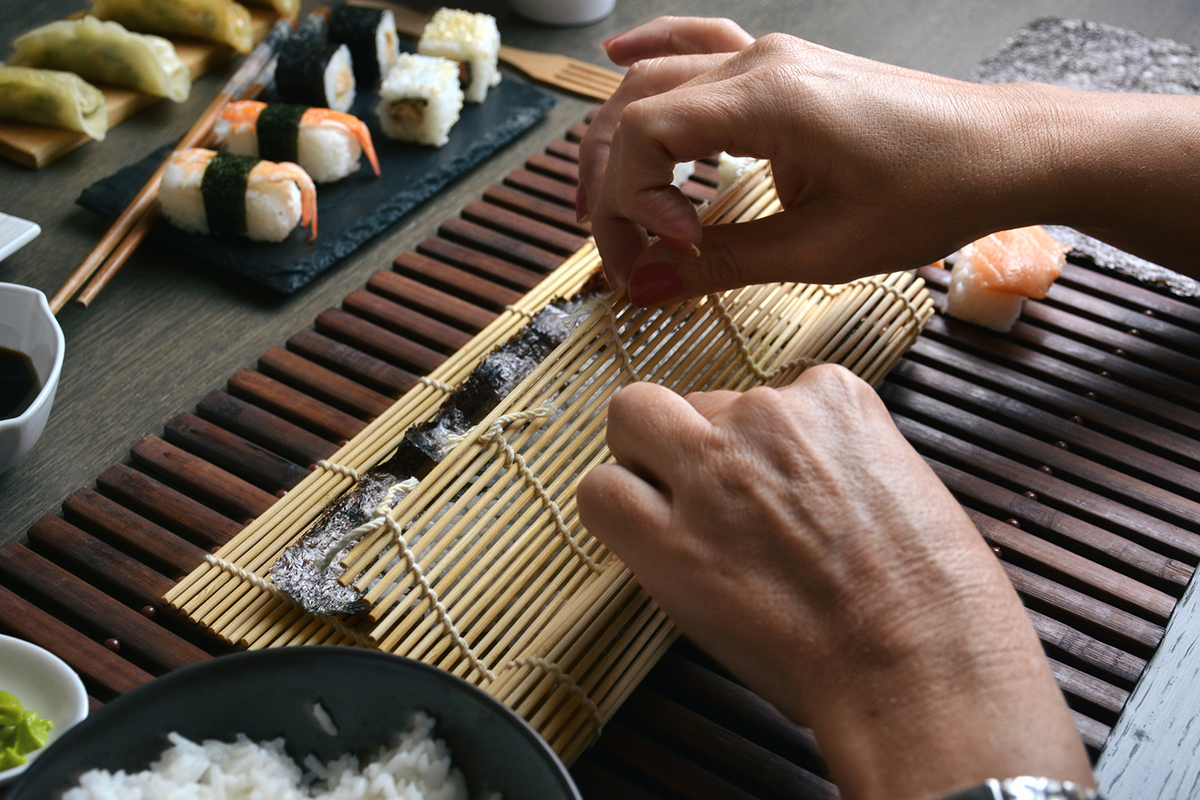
{"x":340,"y":469}
{"x":434,"y":383}
{"x":394,"y":492}
{"x":275,"y":591}
{"x":560,"y":674}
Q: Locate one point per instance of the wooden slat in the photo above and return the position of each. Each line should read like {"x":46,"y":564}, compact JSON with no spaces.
{"x":293,"y":405}
{"x":151,"y":642}
{"x":495,"y":243}
{"x":91,"y":558}
{"x":1086,"y":648}
{"x":560,"y":168}
{"x":542,"y":186}
{"x":370,"y":338}
{"x":234,"y":454}
{"x":475,"y":300}
{"x":537,"y":208}
{"x":405,"y":321}
{"x":323,"y":384}
{"x":114,"y":522}
{"x":371,"y":372}
{"x":499,"y":272}
{"x":172,"y":509}
{"x":521,"y":227}
{"x":95,"y":663}
{"x":258,"y":425}
{"x":439,"y":291}
{"x":1088,"y":687}
{"x":201,"y":479}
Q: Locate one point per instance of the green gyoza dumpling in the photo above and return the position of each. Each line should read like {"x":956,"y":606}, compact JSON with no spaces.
{"x":222,"y":21}
{"x":52,"y":97}
{"x":105,"y":52}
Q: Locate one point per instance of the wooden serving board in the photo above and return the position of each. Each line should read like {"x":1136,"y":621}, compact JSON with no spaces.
{"x":1074,"y":443}
{"x":36,"y":146}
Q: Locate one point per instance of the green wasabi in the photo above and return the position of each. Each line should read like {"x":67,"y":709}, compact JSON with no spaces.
{"x":21,"y":731}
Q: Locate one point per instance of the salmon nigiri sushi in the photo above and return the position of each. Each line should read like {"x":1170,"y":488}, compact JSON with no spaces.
{"x":994,"y":275}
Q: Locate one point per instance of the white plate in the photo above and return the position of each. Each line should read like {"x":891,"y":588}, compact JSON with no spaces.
{"x":15,"y":233}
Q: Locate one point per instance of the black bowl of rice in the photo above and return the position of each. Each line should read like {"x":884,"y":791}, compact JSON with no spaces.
{"x":301,"y":722}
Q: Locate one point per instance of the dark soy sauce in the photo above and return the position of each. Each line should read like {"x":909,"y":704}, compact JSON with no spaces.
{"x":19,"y":384}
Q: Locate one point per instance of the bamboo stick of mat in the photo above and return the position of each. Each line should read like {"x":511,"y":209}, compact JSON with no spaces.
{"x":124,"y":236}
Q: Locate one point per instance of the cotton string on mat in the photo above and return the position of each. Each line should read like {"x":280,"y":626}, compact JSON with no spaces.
{"x":481,"y":567}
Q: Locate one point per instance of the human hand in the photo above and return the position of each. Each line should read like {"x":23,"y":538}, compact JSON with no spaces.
{"x":878,"y":168}
{"x":825,"y":565}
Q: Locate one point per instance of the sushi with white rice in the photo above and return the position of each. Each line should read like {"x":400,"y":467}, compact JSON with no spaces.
{"x":370,"y":34}
{"x":420,"y":100}
{"x":473,"y":40}
{"x":327,"y":144}
{"x":310,"y":71}
{"x":204,"y":191}
{"x":993,"y":276}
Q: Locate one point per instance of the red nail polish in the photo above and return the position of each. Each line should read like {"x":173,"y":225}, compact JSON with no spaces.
{"x":655,"y":284}
{"x":581,"y":214}
{"x":679,"y":244}
{"x":607,"y":42}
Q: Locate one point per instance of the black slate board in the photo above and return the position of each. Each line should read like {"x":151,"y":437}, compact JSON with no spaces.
{"x":1079,"y":54}
{"x":354,"y":209}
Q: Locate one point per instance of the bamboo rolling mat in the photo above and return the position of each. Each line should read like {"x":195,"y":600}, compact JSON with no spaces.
{"x":1100,"y":551}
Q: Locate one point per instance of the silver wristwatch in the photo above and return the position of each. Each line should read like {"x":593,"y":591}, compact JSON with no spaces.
{"x":1027,"y":788}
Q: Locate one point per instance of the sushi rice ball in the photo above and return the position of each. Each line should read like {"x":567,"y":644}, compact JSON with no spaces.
{"x":993,"y":276}
{"x":473,"y":40}
{"x":420,"y":100}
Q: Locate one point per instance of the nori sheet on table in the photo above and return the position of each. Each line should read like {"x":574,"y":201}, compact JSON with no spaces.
{"x":354,"y":209}
{"x":1090,"y":55}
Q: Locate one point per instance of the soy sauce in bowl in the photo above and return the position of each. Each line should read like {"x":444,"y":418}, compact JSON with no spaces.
{"x":19,"y":384}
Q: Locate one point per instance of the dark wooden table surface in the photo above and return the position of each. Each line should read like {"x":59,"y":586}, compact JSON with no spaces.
{"x":166,"y":332}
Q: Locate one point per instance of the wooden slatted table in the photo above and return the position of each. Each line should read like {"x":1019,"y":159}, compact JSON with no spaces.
{"x":1072,"y":442}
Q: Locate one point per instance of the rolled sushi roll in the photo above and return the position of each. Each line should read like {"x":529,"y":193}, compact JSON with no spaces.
{"x":370,"y":33}
{"x":204,"y":191}
{"x":420,"y":100}
{"x":325,"y":143}
{"x":313,"y":73}
{"x":473,"y":40}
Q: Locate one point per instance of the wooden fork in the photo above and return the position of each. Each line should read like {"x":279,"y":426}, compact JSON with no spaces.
{"x":562,"y":72}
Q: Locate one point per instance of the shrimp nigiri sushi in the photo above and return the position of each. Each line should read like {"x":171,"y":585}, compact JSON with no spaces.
{"x":327,"y":144}
{"x":994,"y":275}
{"x":204,"y":191}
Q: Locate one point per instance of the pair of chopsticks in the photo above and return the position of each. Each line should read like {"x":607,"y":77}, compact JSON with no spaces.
{"x":251,"y":78}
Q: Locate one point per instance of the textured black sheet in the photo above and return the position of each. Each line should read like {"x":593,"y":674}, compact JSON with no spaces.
{"x":352,"y":210}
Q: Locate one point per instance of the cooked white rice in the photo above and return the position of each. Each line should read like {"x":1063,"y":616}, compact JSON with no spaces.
{"x":417,"y":768}
{"x":420,"y":100}
{"x":470,"y":38}
{"x":968,"y":300}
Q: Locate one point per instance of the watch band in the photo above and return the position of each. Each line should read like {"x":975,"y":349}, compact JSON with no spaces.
{"x":1026,"y":788}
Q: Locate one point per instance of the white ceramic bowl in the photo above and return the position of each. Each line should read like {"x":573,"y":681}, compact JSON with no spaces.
{"x":27,"y":325}
{"x":563,"y":12}
{"x":43,"y":683}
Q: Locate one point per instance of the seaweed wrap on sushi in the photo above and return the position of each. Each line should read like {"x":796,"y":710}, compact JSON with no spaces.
{"x":370,"y":33}
{"x":204,"y":191}
{"x":327,"y":144}
{"x":420,"y":100}
{"x":473,"y":40}
{"x":311,"y":72}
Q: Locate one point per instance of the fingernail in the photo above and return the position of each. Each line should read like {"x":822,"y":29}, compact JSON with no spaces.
{"x":607,"y":42}
{"x":607,"y":276}
{"x":655,"y":284}
{"x":679,"y":244}
{"x":581,"y":214}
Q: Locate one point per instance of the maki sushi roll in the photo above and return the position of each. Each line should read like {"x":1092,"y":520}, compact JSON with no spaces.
{"x":370,"y":33}
{"x":327,"y":144}
{"x":473,"y":40}
{"x":420,"y":100}
{"x":204,"y":191}
{"x":312,"y":72}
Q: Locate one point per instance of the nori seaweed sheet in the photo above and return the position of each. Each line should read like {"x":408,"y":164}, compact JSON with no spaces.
{"x":300,"y":72}
{"x":223,"y":188}
{"x":355,"y":27}
{"x":279,"y":131}
{"x":297,"y":570}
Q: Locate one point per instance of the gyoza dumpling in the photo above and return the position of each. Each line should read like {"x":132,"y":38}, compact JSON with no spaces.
{"x":284,"y":8}
{"x":218,"y":20}
{"x":54,"y":98}
{"x":104,"y":52}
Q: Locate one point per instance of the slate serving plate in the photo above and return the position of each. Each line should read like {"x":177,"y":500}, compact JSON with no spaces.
{"x":370,"y":696}
{"x":354,"y":209}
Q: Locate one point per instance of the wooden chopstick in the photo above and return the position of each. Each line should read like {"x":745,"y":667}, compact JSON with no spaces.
{"x":146,"y":200}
